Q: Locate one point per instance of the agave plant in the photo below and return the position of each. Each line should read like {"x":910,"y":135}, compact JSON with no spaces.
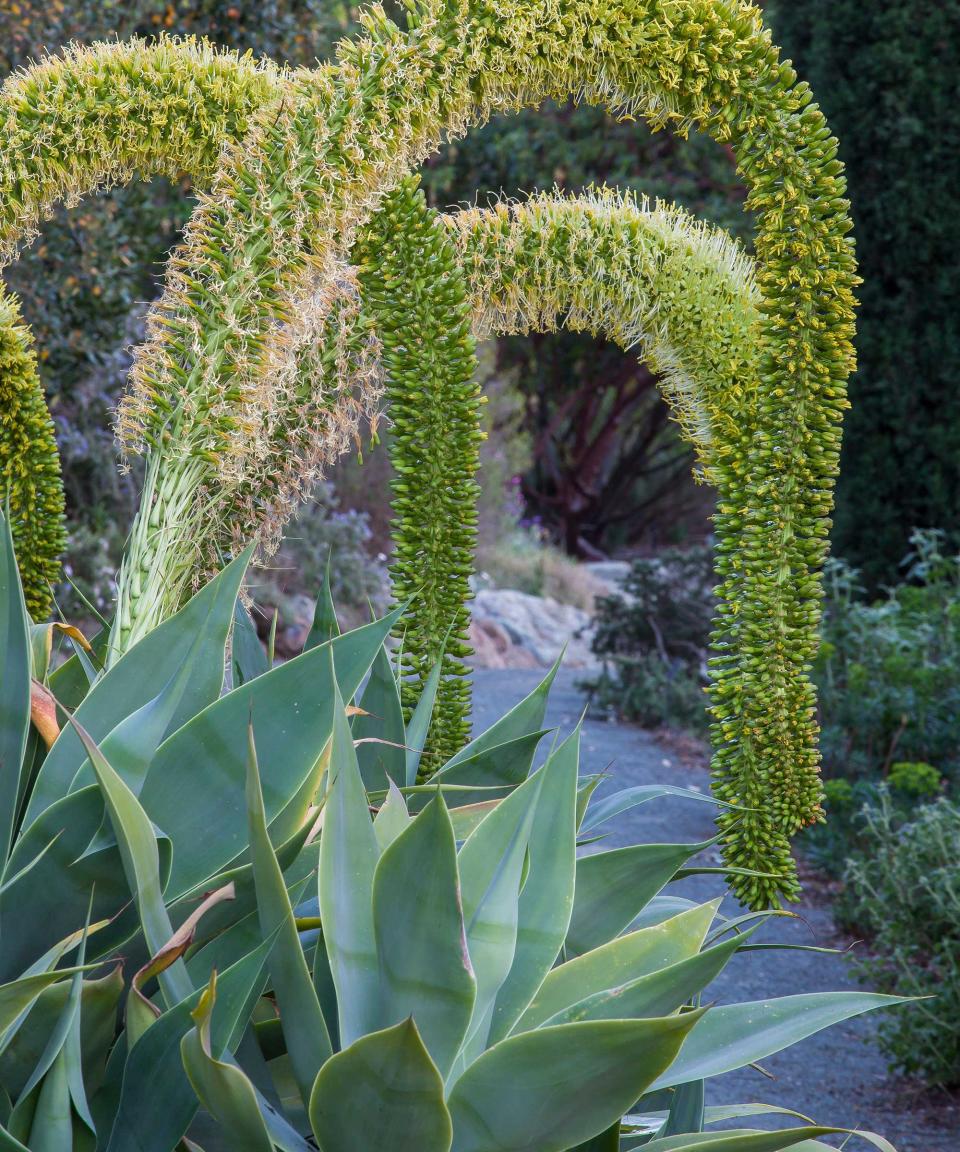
{"x":231,"y":919}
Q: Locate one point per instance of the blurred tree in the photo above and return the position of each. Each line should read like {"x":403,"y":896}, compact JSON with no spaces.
{"x":608,"y":468}
{"x":886,"y":75}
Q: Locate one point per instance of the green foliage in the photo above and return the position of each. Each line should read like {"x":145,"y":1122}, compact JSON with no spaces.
{"x":411,"y":285}
{"x":901,"y":145}
{"x":653,"y":639}
{"x":903,"y":892}
{"x":322,"y":541}
{"x":320,"y":994}
{"x":847,"y":832}
{"x":919,"y":780}
{"x":889,"y":670}
{"x":297,"y":31}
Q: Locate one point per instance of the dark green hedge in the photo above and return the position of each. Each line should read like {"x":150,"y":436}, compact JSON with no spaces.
{"x":885,"y":72}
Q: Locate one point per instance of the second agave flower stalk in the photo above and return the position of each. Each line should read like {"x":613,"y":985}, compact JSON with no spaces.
{"x":161,"y":554}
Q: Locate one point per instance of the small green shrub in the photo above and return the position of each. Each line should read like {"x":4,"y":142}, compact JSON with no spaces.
{"x":918,"y":780}
{"x":838,"y":795}
{"x":653,"y":639}
{"x":888,"y":671}
{"x":323,"y":533}
{"x":847,"y":832}
{"x":903,"y":893}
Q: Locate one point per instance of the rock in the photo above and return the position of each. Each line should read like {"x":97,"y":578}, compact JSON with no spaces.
{"x":511,"y":629}
{"x":611,"y":573}
{"x":493,"y":648}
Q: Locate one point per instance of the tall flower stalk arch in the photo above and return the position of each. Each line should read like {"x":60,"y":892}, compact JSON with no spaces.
{"x":282,"y":214}
{"x":286,"y":205}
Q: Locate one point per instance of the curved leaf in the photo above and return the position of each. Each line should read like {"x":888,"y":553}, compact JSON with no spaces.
{"x":645,"y":952}
{"x":614,"y":887}
{"x":491,"y":863}
{"x":656,"y":994}
{"x":140,"y":854}
{"x":19,"y":996}
{"x":751,"y":1140}
{"x":425,"y":970}
{"x":382,"y":756}
{"x":501,"y":767}
{"x":14,"y":685}
{"x":157,"y":1101}
{"x":222,"y":1088}
{"x":546,"y":901}
{"x":382,"y":1092}
{"x":191,"y":642}
{"x":99,"y":1001}
{"x":622,"y":801}
{"x":348,"y":859}
{"x":524,"y":719}
{"x":549,"y":1090}
{"x":735,"y":1035}
{"x":58,"y":885}
{"x":304,"y":1030}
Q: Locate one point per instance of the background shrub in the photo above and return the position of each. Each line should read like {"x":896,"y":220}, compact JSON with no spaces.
{"x":653,"y":638}
{"x":888,"y":670}
{"x":323,"y":537}
{"x":903,"y":893}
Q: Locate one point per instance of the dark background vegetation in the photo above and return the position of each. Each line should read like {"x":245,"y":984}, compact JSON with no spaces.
{"x":886,"y":75}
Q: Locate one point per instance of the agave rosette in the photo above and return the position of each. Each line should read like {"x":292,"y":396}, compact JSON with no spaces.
{"x":305,"y":946}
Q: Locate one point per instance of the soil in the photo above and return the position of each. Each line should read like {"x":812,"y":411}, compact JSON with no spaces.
{"x":838,"y":1077}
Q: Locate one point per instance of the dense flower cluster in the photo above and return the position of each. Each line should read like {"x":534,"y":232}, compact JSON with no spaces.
{"x":416,"y":299}
{"x":29,"y":467}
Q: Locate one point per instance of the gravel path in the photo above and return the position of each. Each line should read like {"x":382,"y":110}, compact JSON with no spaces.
{"x":837,"y":1077}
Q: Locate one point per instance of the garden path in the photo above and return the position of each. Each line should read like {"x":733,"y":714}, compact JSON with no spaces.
{"x":837,"y":1077}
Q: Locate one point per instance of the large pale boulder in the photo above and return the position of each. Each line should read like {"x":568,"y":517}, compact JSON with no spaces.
{"x":511,"y":629}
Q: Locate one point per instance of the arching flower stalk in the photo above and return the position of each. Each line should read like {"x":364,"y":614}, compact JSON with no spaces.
{"x":678,"y":293}
{"x":345,"y":139}
{"x":282,"y":215}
